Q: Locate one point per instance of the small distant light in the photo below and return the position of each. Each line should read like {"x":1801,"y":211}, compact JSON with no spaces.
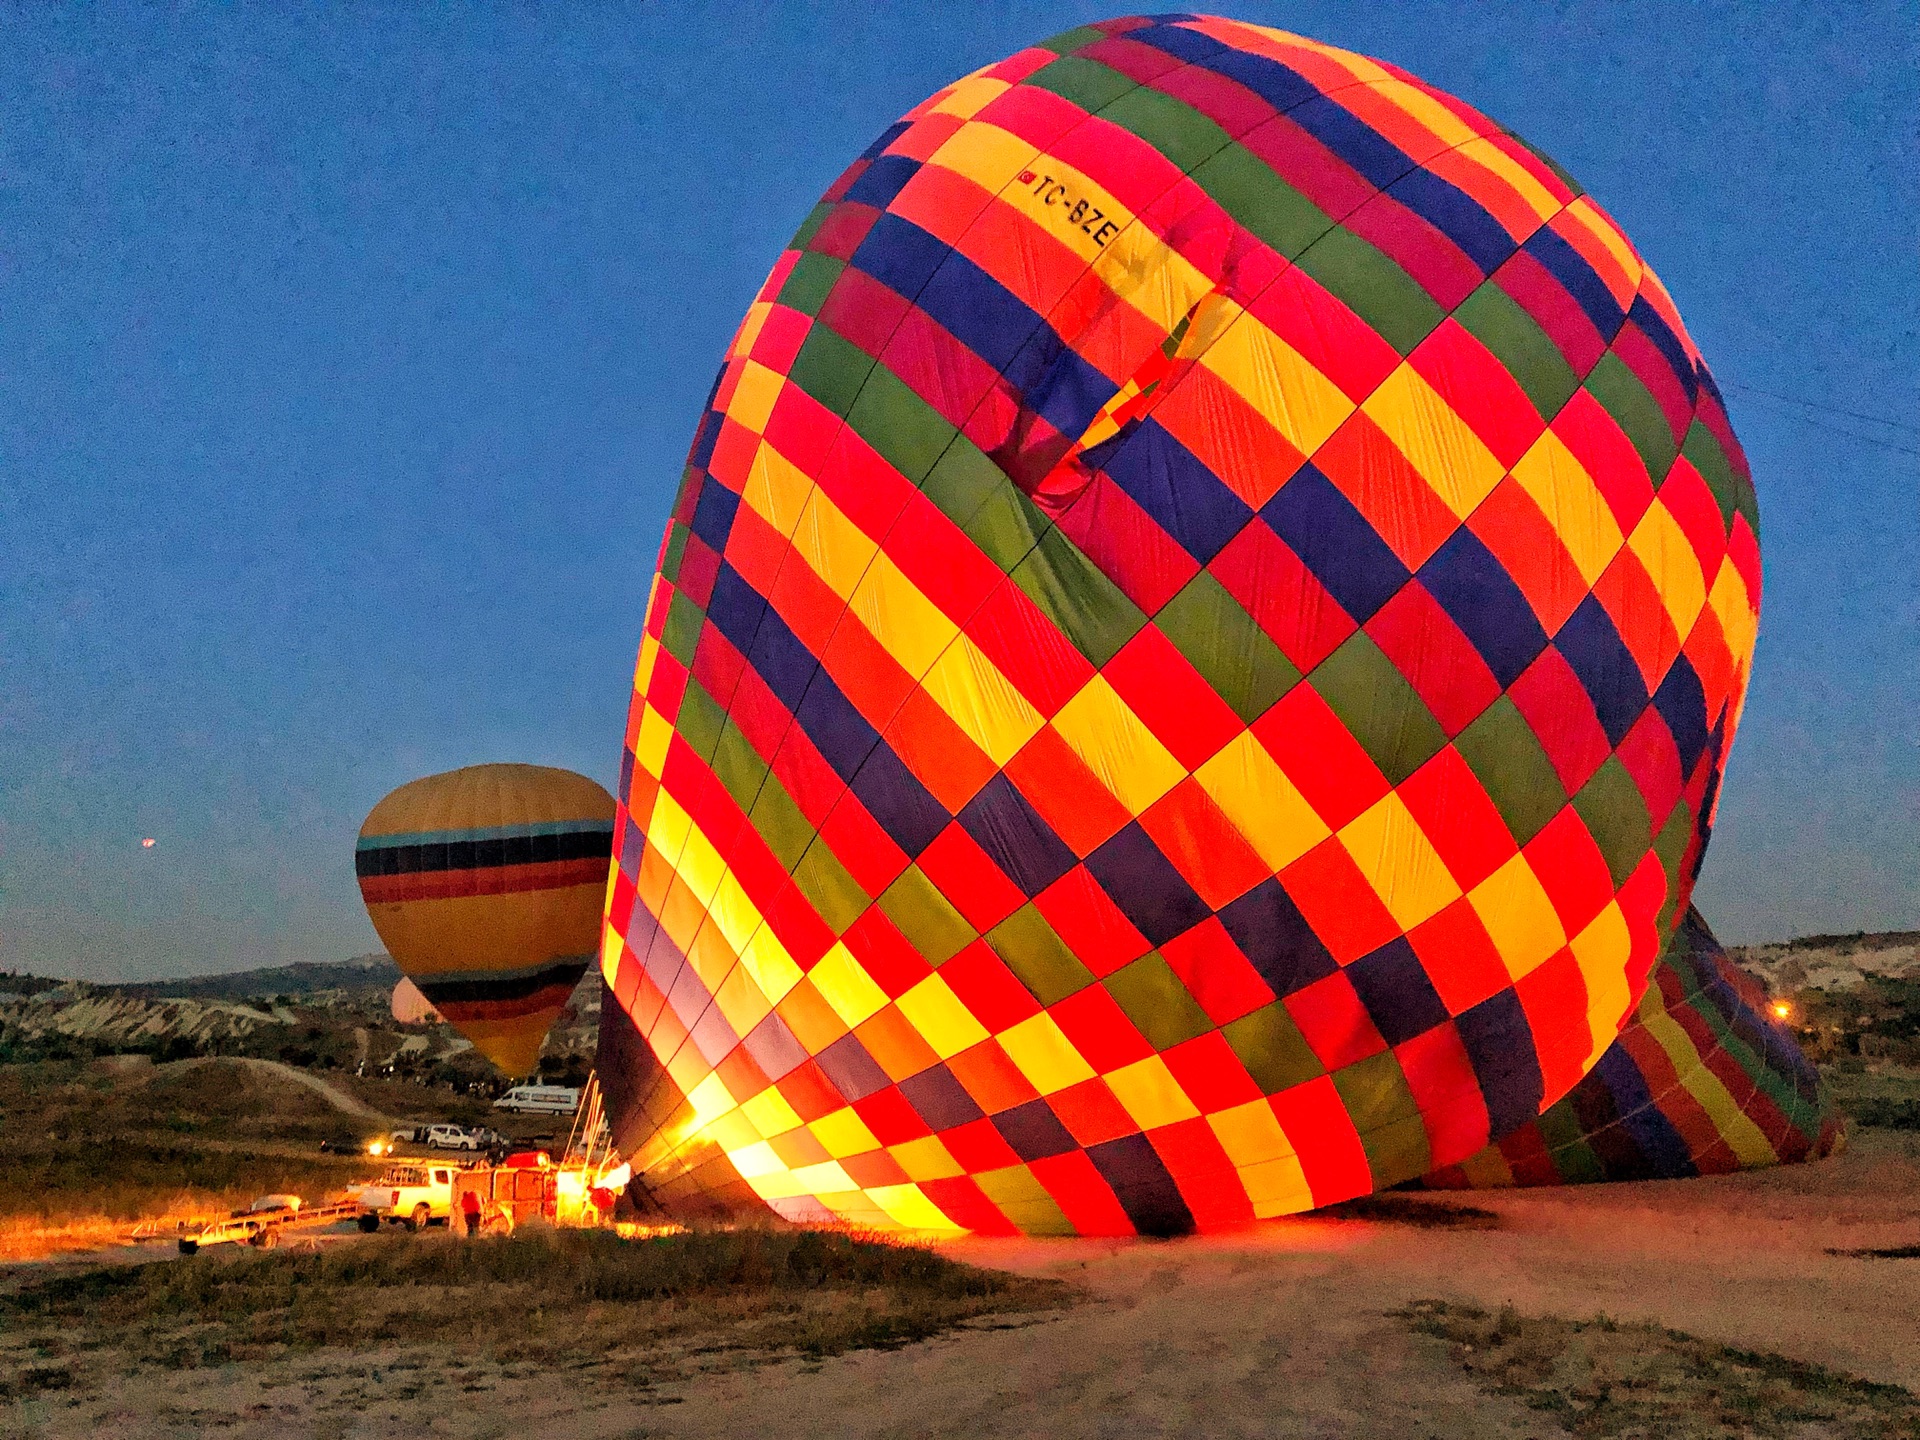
{"x":147,"y":844}
{"x":1781,"y":1009}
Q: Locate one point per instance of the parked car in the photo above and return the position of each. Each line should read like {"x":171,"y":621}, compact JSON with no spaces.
{"x":540,"y":1099}
{"x":455,"y":1137}
{"x":411,"y":1195}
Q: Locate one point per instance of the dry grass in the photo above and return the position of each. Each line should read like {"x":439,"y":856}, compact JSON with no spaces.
{"x":32,"y":1238}
{"x":90,"y":1148}
{"x":125,"y":1179}
{"x":216,"y":1098}
{"x":1878,"y":1252}
{"x":1602,"y":1378}
{"x":584,"y":1298}
{"x":1880,"y":1094}
{"x":1417,"y":1211}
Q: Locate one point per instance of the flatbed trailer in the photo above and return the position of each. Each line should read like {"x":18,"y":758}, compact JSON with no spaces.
{"x":262,"y":1228}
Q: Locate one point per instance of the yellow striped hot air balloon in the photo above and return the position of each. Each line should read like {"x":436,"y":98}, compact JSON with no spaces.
{"x":486,"y":884}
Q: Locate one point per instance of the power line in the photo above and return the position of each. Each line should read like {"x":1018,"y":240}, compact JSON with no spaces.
{"x":1830,"y":427}
{"x":1828,"y":409}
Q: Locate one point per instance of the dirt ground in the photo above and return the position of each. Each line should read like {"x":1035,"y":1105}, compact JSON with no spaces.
{"x":1288,"y":1329}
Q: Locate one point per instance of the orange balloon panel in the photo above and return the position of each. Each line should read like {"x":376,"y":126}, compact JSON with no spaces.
{"x":487,"y":886}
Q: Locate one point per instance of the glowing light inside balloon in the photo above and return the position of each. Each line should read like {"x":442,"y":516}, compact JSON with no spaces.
{"x":617,"y":1178}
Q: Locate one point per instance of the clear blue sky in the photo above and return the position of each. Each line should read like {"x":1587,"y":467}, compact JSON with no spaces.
{"x":349,"y":356}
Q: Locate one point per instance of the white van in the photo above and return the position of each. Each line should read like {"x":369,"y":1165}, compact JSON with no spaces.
{"x":540,"y":1100}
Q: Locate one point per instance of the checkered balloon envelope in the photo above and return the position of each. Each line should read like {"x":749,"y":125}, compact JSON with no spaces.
{"x":1189,"y":672}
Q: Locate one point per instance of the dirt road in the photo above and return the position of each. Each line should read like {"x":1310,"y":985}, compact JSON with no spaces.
{"x":345,"y":1103}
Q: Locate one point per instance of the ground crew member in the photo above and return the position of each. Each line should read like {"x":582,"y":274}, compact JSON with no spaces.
{"x":470,"y":1211}
{"x":602,"y":1200}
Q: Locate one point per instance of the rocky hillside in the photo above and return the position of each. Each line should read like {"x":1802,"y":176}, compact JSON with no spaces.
{"x":77,"y":1010}
{"x":1832,"y":962}
{"x":317,"y":1016}
{"x":305,"y":978}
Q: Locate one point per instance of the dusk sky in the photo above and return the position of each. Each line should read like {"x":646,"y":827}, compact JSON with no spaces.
{"x":349,"y":358}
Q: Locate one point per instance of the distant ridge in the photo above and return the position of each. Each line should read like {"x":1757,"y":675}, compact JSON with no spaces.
{"x":1832,"y":962}
{"x":1857,"y":939}
{"x":301,"y":978}
{"x":1784,"y":963}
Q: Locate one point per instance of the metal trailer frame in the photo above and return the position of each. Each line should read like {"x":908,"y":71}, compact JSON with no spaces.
{"x":262,"y":1228}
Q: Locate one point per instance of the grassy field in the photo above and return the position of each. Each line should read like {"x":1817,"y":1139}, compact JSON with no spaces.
{"x":587,"y":1299}
{"x":90,"y":1147}
{"x":1601,"y":1378}
{"x":83,"y":1143}
{"x":1880,"y":1094}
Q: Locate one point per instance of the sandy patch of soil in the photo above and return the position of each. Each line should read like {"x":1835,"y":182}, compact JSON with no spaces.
{"x":1606,"y":1379}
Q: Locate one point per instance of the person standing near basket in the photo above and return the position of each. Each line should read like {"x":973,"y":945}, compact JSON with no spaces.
{"x":470,"y":1211}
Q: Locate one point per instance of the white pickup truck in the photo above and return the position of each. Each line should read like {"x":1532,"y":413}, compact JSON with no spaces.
{"x":409,"y":1195}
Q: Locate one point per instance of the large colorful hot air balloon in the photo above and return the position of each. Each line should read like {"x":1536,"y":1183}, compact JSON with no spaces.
{"x":487,"y":886}
{"x":1190,"y":668}
{"x":1703,"y":1081}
